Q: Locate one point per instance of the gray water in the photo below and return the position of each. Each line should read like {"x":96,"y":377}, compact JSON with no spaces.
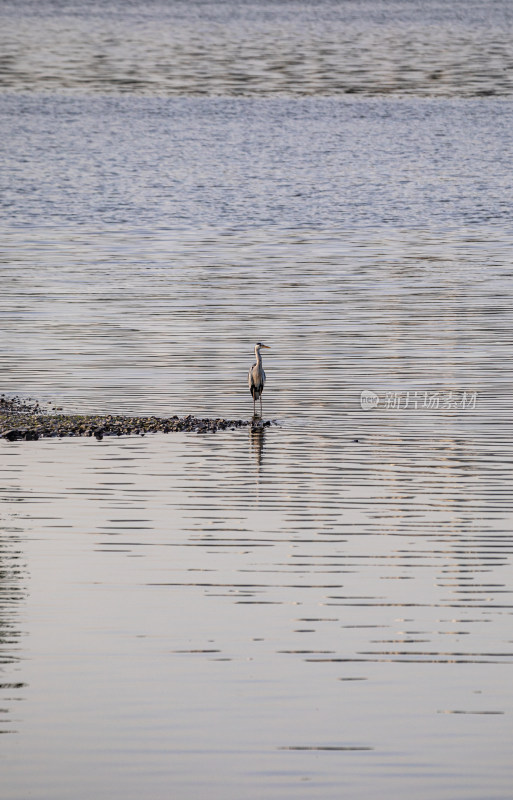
{"x":320,"y":609}
{"x":246,"y":47}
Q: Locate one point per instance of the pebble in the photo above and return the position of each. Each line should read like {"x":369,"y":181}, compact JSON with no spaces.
{"x":26,"y":419}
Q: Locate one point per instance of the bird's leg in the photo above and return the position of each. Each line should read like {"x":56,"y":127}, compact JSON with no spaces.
{"x":260,"y":406}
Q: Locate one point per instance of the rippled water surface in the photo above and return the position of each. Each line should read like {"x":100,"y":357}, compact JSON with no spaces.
{"x":243,"y":47}
{"x":267,"y":615}
{"x":321,"y":608}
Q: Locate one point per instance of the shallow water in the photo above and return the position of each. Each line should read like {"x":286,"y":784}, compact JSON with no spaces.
{"x":318,"y":609}
{"x":272,"y":617}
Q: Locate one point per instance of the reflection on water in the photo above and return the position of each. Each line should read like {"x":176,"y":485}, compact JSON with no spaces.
{"x":169,"y":327}
{"x":225,"y":610}
{"x":252,"y":613}
{"x":257,"y":439}
{"x":12,"y":595}
{"x":319,"y":608}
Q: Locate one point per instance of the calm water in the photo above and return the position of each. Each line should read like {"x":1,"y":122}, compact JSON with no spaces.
{"x":321,"y":609}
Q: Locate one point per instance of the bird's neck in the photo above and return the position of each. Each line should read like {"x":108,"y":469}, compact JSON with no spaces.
{"x":258,"y":356}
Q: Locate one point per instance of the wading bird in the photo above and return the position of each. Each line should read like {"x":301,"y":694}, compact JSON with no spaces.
{"x":256,"y":377}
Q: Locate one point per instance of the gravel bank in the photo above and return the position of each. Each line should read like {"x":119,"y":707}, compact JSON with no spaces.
{"x":26,"y":419}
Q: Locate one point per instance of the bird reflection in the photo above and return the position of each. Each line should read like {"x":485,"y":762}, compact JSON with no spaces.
{"x":256,"y":441}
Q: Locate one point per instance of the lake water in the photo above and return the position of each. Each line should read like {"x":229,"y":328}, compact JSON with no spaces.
{"x":321,"y":609}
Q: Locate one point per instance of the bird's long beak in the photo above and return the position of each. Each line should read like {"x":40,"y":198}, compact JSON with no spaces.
{"x":266,"y":346}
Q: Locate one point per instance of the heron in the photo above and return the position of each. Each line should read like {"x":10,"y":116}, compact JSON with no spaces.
{"x":256,"y":377}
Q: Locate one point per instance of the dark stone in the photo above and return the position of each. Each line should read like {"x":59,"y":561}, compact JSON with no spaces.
{"x":12,"y":436}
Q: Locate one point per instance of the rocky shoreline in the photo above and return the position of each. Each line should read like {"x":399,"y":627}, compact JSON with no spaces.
{"x":26,"y":419}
